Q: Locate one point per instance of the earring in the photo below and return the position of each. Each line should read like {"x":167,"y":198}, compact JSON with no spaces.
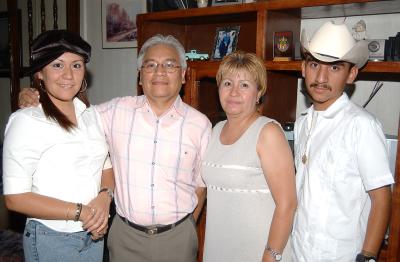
{"x":84,"y":86}
{"x":258,"y":101}
{"x":41,"y":86}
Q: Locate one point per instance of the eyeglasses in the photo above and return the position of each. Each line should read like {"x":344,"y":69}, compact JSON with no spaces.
{"x":169,"y":66}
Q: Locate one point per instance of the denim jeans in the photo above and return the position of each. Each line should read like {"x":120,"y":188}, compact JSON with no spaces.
{"x":44,"y":244}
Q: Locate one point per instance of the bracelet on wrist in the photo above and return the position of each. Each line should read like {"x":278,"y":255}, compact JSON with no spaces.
{"x":78,"y":211}
{"x":67,"y":216}
{"x":275,"y":254}
{"x":109,"y":192}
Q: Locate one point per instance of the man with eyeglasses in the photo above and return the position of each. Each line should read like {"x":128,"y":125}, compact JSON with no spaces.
{"x":156,"y":143}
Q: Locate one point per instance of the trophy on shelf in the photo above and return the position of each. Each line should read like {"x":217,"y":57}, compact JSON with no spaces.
{"x":283,"y":46}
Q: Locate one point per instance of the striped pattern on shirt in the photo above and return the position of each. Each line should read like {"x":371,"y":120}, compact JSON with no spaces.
{"x":156,"y":160}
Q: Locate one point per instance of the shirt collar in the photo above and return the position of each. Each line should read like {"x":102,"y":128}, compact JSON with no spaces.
{"x":80,"y":107}
{"x":178,"y":105}
{"x":333,"y":109}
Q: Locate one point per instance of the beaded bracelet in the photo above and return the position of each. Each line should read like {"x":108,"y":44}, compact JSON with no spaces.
{"x":78,"y":211}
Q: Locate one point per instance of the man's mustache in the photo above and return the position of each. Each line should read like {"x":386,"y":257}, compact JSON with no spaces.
{"x":325,"y":86}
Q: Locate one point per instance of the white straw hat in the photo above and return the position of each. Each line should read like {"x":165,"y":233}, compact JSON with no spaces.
{"x":334,"y":42}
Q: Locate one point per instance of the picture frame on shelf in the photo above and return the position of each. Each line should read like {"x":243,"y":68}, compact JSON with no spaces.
{"x":226,"y":39}
{"x":118,"y":18}
{"x":225,"y":2}
{"x":283,"y":46}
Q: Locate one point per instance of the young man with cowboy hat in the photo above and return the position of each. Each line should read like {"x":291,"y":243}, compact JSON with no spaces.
{"x":343,"y":177}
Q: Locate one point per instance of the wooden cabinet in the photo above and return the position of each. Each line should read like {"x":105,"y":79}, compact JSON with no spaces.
{"x":196,"y":29}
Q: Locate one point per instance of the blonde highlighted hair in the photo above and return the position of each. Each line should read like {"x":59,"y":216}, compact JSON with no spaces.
{"x":240,"y":60}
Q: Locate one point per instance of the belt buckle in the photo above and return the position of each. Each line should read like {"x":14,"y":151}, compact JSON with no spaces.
{"x":152,"y":230}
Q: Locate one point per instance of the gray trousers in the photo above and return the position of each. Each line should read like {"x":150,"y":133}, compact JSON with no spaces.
{"x":129,"y":244}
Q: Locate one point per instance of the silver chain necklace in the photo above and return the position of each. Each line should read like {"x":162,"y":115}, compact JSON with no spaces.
{"x":314,"y":117}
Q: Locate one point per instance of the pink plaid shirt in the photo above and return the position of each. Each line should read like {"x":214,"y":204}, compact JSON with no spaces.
{"x":156,"y":160}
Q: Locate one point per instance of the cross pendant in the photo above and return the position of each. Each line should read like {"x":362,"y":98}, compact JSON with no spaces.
{"x":304,"y":159}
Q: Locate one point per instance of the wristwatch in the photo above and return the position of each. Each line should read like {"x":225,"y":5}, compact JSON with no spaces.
{"x":363,"y":258}
{"x":275,"y":254}
{"x":109,"y":192}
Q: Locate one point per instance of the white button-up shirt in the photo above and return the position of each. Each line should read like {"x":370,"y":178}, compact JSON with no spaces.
{"x":41,"y":157}
{"x":346,"y":157}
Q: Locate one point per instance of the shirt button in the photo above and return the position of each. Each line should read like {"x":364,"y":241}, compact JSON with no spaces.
{"x":152,"y":185}
{"x":158,"y":121}
{"x":152,"y":163}
{"x":152,"y":207}
{"x":155,"y":141}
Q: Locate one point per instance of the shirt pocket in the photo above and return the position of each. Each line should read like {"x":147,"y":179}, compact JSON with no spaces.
{"x":176,"y":160}
{"x":188,"y":156}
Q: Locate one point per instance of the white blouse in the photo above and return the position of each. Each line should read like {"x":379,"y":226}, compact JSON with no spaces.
{"x":41,"y":157}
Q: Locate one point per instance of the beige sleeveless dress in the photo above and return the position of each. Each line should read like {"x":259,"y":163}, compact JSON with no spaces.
{"x":239,"y":204}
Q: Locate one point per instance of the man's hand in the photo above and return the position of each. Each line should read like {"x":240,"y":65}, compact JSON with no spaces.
{"x":28,"y":97}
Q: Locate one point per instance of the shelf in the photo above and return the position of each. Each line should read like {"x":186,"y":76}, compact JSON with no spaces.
{"x":371,"y":67}
{"x":354,"y":9}
{"x":209,"y":68}
{"x":309,"y":9}
{"x":192,"y":15}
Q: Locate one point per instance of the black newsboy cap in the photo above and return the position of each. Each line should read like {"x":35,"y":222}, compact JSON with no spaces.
{"x":53,"y":43}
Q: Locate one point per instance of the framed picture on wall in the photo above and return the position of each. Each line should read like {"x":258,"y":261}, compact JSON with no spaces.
{"x":225,"y":41}
{"x":118,"y":18}
{"x":225,"y":2}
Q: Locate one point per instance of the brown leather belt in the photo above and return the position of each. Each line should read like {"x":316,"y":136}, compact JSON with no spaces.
{"x":152,"y":230}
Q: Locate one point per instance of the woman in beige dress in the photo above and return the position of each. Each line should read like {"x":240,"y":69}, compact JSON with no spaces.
{"x":249,"y":172}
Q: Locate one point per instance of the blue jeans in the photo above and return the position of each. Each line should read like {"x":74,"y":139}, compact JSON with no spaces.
{"x":44,"y":244}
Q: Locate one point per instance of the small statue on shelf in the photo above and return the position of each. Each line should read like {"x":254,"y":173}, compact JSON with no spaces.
{"x":360,"y":30}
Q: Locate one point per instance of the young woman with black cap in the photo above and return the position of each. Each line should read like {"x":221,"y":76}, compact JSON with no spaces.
{"x":56,"y":169}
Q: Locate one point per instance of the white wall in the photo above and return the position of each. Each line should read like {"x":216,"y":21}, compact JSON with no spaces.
{"x":113,"y":71}
{"x":386,"y":103}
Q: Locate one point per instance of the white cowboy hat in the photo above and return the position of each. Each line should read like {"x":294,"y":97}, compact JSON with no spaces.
{"x":334,"y":42}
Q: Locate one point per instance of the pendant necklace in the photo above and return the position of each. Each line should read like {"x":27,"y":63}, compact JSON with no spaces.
{"x":313,"y":121}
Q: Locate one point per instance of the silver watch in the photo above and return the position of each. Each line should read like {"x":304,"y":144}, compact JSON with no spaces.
{"x":275,"y":254}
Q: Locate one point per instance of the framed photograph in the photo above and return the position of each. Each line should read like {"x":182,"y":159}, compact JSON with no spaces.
{"x":118,"y":18}
{"x":225,"y":2}
{"x":225,"y":41}
{"x":5,"y":45}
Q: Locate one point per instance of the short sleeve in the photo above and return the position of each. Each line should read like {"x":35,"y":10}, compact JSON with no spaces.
{"x":105,"y":112}
{"x":107,"y":162}
{"x":205,"y":138}
{"x":372,"y":155}
{"x":21,"y":153}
